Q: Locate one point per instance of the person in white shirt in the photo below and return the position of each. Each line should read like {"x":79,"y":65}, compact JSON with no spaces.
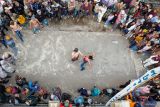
{"x":101,"y":11}
{"x":154,"y":59}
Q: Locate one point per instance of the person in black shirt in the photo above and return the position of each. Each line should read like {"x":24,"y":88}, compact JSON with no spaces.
{"x":3,"y":97}
{"x":41,"y":18}
{"x":18,"y":8}
{"x":21,"y":2}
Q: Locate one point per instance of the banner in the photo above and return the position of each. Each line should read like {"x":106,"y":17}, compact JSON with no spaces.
{"x":136,"y":83}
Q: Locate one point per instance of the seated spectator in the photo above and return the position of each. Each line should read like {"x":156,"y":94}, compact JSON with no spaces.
{"x":35,"y":25}
{"x":4,"y":80}
{"x":129,"y":97}
{"x":95,"y":91}
{"x":143,"y":90}
{"x":41,"y":18}
{"x":11,"y":43}
{"x":84,"y":92}
{"x":20,"y":81}
{"x":86,"y":8}
{"x":18,"y":8}
{"x":121,"y":18}
{"x":57,"y":92}
{"x":109,"y":3}
{"x":53,"y":97}
{"x":33,"y":86}
{"x":22,"y":21}
{"x":88,"y":101}
{"x":147,"y":47}
{"x":108,"y":21}
{"x":42,"y":93}
{"x":79,"y":101}
{"x":154,"y":59}
{"x":110,"y":92}
{"x":25,"y":92}
{"x":35,"y":5}
{"x":66,"y":104}
{"x":2,"y":39}
{"x":48,"y":9}
{"x":12,"y":90}
{"x":15,"y":100}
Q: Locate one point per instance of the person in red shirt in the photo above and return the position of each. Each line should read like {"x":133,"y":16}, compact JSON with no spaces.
{"x":86,"y":59}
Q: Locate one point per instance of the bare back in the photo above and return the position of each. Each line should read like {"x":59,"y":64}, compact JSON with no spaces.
{"x":15,"y":27}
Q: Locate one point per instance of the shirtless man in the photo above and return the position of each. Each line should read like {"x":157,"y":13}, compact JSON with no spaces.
{"x":16,"y":30}
{"x":34,"y":25}
{"x":75,"y":54}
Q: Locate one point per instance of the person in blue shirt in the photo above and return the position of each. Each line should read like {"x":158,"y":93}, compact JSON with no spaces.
{"x":10,"y":43}
{"x":79,"y":100}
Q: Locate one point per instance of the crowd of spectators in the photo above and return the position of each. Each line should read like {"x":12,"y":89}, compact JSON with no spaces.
{"x":31,"y":93}
{"x":138,"y":21}
{"x":145,"y":96}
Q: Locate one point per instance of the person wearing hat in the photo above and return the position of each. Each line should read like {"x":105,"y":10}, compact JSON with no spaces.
{"x":2,"y":40}
{"x":79,"y":101}
{"x":95,"y":91}
{"x":3,"y":28}
{"x":154,"y":59}
{"x":18,"y":8}
{"x":3,"y":74}
{"x":75,"y":54}
{"x":10,"y":42}
{"x":121,"y":18}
